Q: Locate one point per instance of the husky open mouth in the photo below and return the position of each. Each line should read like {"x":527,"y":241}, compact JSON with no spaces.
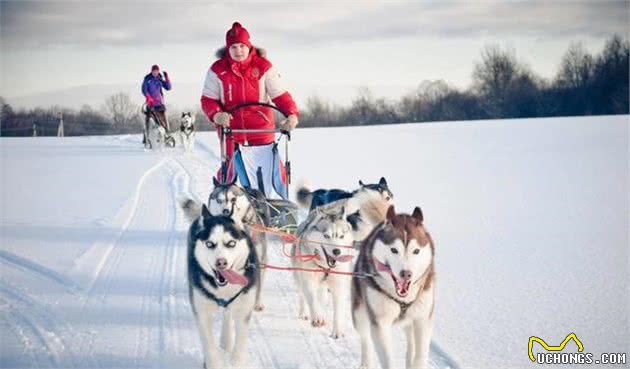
{"x":225,"y":276}
{"x":332,"y":262}
{"x":218,"y":276}
{"x":402,"y":286}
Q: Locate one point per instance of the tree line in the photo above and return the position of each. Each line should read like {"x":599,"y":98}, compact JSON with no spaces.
{"x":503,"y":87}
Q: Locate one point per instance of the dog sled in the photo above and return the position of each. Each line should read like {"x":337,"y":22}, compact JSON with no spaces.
{"x":158,"y":133}
{"x":270,"y":175}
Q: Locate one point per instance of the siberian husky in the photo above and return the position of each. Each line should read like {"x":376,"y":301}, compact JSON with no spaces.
{"x":312,"y":199}
{"x":187,"y":131}
{"x":245,"y":207}
{"x":365,"y":207}
{"x":397,"y":258}
{"x":222,"y":270}
{"x":321,"y":237}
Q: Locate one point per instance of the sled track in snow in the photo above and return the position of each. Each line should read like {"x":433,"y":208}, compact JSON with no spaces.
{"x":39,"y":270}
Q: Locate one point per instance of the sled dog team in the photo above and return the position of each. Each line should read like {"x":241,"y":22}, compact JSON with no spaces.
{"x":366,"y":253}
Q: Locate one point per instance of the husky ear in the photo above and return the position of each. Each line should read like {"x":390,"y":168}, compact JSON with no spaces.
{"x":205,"y":213}
{"x":417,"y":213}
{"x":391,"y":213}
{"x":361,"y":183}
{"x":234,"y":178}
{"x":183,"y":115}
{"x":215,"y":181}
{"x":382,"y":182}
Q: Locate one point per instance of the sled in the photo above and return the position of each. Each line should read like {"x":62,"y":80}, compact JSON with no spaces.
{"x":283,"y":212}
{"x":164,"y":136}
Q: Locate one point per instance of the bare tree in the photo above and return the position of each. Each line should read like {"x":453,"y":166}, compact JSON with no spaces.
{"x":576,"y":67}
{"x":496,"y":71}
{"x":121,"y":109}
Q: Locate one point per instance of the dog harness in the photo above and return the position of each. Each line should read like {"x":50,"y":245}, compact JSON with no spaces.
{"x":187,"y":131}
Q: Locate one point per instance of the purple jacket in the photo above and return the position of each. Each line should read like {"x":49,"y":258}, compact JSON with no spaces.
{"x":153,"y":86}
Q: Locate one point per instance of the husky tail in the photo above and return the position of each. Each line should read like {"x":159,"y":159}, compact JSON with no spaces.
{"x":304,"y":196}
{"x":192,"y":210}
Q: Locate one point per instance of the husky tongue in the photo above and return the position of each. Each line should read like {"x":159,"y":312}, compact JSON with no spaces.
{"x":403,"y":286}
{"x":233,"y":277}
{"x":343,"y":258}
{"x":381,"y":267}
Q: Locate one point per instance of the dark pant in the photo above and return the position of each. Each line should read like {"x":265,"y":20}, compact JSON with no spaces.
{"x":159,"y":113}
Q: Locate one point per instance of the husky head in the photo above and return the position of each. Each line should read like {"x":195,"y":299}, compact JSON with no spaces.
{"x":402,"y":250}
{"x":376,"y":191}
{"x":326,"y":234}
{"x":187,"y":120}
{"x":223,"y":251}
{"x":229,"y":199}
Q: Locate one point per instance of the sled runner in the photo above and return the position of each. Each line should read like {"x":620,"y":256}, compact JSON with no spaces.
{"x":159,"y":133}
{"x":261,"y":168}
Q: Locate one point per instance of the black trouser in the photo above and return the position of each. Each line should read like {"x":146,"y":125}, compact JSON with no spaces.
{"x":159,"y":114}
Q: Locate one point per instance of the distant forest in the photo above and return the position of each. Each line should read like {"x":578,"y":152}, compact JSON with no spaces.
{"x":503,"y":87}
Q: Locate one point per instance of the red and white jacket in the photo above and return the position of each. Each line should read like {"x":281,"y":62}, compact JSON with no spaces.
{"x":230,"y":83}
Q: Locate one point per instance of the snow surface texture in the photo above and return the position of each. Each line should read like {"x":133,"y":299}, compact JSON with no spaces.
{"x":530,"y":220}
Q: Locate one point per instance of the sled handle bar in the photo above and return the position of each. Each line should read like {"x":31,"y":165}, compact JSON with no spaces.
{"x":244,"y":105}
{"x":226,"y":131}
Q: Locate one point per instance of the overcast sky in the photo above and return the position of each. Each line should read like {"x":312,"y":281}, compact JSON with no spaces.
{"x":327,"y":48}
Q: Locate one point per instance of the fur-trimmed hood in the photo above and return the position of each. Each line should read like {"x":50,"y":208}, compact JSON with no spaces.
{"x":220,"y":53}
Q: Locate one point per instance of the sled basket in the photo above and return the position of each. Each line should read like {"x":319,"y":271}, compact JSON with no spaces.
{"x":275,"y":176}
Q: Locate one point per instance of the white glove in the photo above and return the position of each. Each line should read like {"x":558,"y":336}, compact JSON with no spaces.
{"x":222,"y":119}
{"x":289,"y":123}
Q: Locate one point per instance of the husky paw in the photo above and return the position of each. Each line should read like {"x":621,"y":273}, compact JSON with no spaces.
{"x":259,"y":307}
{"x":337,"y":333}
{"x":240,"y":359}
{"x":303,"y":316}
{"x":214,"y":364}
{"x":318,"y":322}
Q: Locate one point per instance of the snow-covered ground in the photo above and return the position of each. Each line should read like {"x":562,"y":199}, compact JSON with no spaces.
{"x":530,"y":219}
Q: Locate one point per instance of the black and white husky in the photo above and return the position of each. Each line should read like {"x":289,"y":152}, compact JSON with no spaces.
{"x":312,"y":199}
{"x":187,"y":131}
{"x":323,"y":236}
{"x":365,"y":207}
{"x":246,"y":207}
{"x":222,"y":270}
{"x":398,"y":286}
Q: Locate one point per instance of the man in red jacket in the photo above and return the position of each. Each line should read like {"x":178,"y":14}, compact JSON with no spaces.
{"x":243,"y":74}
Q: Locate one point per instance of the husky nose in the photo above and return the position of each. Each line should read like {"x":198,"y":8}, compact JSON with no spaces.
{"x":226,"y":211}
{"x":336,"y":252}
{"x":405,"y":274}
{"x":221,"y":263}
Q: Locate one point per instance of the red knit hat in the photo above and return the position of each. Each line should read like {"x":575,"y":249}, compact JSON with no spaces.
{"x":237,"y":34}
{"x":155,"y":67}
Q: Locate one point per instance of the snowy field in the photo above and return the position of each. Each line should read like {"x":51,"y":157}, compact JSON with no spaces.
{"x":530,"y":220}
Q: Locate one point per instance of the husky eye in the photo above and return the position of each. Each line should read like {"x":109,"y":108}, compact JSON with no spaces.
{"x":341,"y":236}
{"x":230,"y":244}
{"x":210,"y":244}
{"x":233,"y":200}
{"x":394,"y":250}
{"x":326,"y":236}
{"x":387,"y":198}
{"x":219,"y":201}
{"x":416,"y":251}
